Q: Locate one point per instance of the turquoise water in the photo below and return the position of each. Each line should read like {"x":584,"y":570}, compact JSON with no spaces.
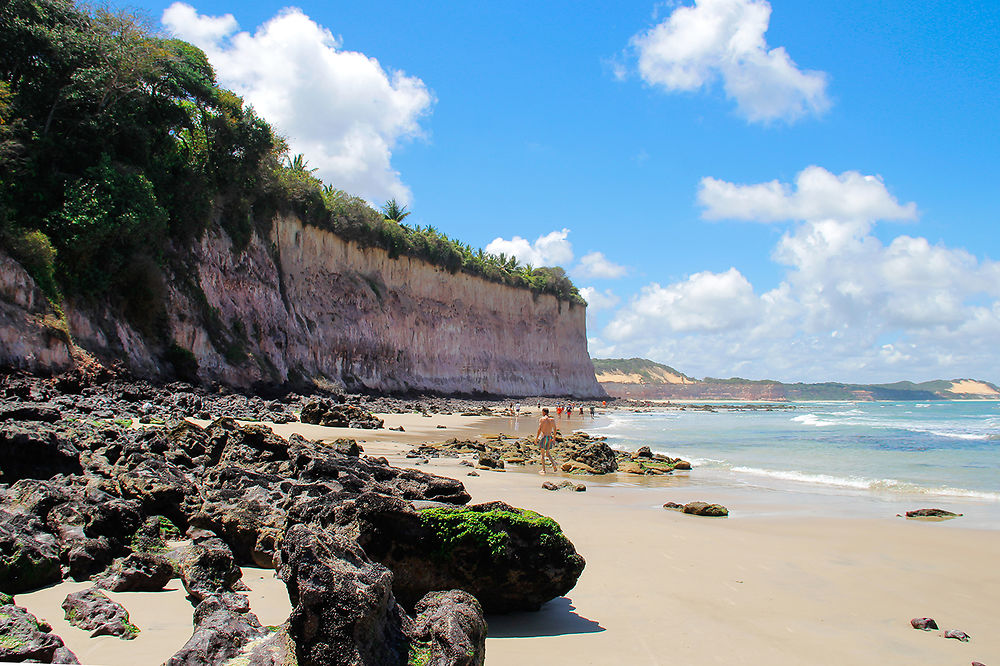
{"x":941,"y":450}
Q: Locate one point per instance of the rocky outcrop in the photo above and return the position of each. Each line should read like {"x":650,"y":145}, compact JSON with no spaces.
{"x":343,"y":609}
{"x":705,"y":509}
{"x":508,"y":558}
{"x":303,"y":304}
{"x":932,"y":513}
{"x":92,"y":611}
{"x":223,"y":634}
{"x":25,"y":639}
{"x":450,"y":628}
{"x":139,"y":572}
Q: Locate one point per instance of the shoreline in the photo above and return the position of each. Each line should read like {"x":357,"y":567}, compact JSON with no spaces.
{"x":763,"y":586}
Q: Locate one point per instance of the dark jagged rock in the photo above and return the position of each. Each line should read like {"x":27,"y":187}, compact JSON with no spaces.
{"x":578,"y":487}
{"x":93,"y":611}
{"x":643,"y":452}
{"x":343,"y":609}
{"x":923,"y":623}
{"x":90,"y":524}
{"x":29,"y":553}
{"x":29,"y":412}
{"x":452,"y":626}
{"x":932,"y":513}
{"x":598,"y":456}
{"x":208,"y":569}
{"x":161,"y":487}
{"x":35,"y":451}
{"x":220,"y":634}
{"x":139,"y":572}
{"x":321,"y":412}
{"x":254,"y":446}
{"x":705,"y":509}
{"x":23,"y":638}
{"x":489,"y":461}
{"x":247,"y":509}
{"x":508,"y":558}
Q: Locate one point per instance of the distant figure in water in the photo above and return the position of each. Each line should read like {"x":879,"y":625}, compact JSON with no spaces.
{"x":591,"y":410}
{"x":545,"y":436}
{"x":581,"y":410}
{"x":558,"y":410}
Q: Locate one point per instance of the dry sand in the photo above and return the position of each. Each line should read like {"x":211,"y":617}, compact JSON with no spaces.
{"x":764,"y":586}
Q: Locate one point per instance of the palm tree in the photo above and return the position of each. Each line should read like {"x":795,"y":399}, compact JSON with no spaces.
{"x":298,"y":164}
{"x":393,"y":211}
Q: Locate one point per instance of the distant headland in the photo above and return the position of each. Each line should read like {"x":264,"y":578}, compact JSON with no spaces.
{"x":640,"y":378}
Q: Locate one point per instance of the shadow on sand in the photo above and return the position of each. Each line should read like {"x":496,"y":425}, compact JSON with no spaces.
{"x":555,"y":618}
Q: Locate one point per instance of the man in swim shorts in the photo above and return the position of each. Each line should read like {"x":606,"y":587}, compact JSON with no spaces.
{"x":545,"y":437}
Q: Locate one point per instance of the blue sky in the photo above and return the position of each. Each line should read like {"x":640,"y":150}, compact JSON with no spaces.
{"x":792,"y":190}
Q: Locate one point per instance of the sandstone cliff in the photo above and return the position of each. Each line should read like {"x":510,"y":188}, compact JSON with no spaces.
{"x":305,"y":305}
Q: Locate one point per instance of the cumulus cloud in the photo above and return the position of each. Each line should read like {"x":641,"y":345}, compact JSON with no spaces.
{"x":598,"y":300}
{"x":703,"y":302}
{"x":724,"y":39}
{"x":816,"y":195}
{"x":596,"y":265}
{"x":551,"y":249}
{"x":849,"y":306}
{"x":341,"y":109}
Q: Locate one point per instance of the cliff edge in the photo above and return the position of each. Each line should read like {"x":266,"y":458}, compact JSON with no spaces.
{"x":305,"y":305}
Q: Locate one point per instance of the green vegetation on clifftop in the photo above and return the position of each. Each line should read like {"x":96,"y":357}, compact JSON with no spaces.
{"x":118,"y":151}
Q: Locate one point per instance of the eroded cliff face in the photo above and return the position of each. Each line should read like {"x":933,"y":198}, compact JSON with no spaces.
{"x":303,"y":304}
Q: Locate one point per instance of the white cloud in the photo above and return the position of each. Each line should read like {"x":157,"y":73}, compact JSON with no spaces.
{"x":598,"y":300}
{"x":340,"y":108}
{"x":596,"y":265}
{"x":817,"y":195}
{"x":724,"y":39}
{"x":703,"y":302}
{"x":552,"y":249}
{"x":849,"y":307}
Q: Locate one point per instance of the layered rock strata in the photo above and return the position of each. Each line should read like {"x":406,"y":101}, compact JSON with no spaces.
{"x":304,"y":304}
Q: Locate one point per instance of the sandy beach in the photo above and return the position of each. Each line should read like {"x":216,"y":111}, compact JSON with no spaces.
{"x":763,"y":586}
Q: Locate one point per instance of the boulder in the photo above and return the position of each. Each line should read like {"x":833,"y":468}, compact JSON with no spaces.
{"x":489,"y":460}
{"x":138,"y":572}
{"x":631,"y":468}
{"x":705,"y":509}
{"x":222,"y":635}
{"x":598,"y":456}
{"x":932,"y":513}
{"x":209,"y":569}
{"x":674,"y":506}
{"x":23,"y":638}
{"x":508,"y":558}
{"x":450,"y":628}
{"x":578,"y":487}
{"x":923,"y":623}
{"x":343,"y":609}
{"x":29,"y":412}
{"x":322,"y":412}
{"x":643,"y":452}
{"x":29,"y":553}
{"x":574,"y":467}
{"x":36,"y":451}
{"x":957,"y":634}
{"x":93,"y":611}
{"x":682,"y":465}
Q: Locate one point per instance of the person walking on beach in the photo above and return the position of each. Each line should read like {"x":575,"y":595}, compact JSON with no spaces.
{"x":545,"y":437}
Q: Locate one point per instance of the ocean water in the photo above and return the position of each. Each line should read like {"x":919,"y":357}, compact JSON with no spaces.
{"x":946,"y":453}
